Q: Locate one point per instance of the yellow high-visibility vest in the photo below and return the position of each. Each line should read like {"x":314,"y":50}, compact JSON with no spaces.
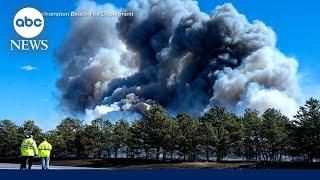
{"x":28,"y":147}
{"x":44,"y":149}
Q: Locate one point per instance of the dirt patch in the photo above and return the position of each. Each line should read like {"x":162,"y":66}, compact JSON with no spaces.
{"x":146,"y":164}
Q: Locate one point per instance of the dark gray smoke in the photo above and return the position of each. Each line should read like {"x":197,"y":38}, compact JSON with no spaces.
{"x":172,"y":53}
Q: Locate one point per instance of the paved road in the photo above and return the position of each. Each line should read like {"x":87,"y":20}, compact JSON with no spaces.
{"x":17,"y":166}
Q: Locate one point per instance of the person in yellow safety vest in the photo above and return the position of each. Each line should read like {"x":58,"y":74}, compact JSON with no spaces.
{"x":44,"y":153}
{"x":28,"y":151}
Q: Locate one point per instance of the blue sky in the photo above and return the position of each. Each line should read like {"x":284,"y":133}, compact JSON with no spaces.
{"x":32,"y":94}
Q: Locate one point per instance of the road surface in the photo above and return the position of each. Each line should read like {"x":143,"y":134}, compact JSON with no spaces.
{"x":17,"y":166}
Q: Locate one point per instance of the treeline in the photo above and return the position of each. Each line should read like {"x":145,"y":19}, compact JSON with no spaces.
{"x":218,"y":135}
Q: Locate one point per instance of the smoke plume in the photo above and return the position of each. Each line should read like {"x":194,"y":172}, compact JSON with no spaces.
{"x":171,"y":53}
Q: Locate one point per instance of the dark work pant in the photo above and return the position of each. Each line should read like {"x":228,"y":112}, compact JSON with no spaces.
{"x":26,"y":160}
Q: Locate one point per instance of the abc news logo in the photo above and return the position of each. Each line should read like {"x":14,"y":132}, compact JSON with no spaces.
{"x":28,"y":23}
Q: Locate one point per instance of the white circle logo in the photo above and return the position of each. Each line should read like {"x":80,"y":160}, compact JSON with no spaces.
{"x":28,"y":22}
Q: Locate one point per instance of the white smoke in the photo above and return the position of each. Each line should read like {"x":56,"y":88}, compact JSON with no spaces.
{"x":130,"y":103}
{"x":265,"y":79}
